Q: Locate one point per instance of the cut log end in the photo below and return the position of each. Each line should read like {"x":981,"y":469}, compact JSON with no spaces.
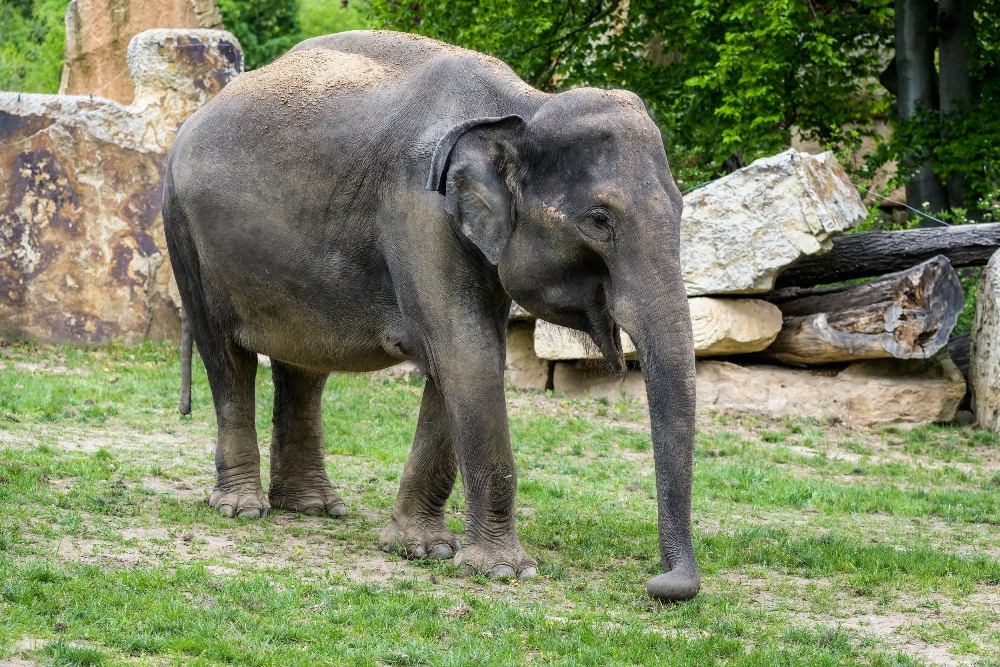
{"x":907,"y":315}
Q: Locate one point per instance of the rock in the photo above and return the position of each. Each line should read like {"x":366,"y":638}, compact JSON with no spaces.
{"x":884,"y":391}
{"x":524,"y":369}
{"x":739,"y":232}
{"x":99,"y":31}
{"x":584,"y":379}
{"x":964,"y":418}
{"x":720,"y":326}
{"x":984,"y":354}
{"x":82,"y":252}
{"x":405,"y":371}
{"x":732,"y":326}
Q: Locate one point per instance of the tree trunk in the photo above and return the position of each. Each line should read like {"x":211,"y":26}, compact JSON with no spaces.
{"x":907,"y":315}
{"x":875,"y":253}
{"x":955,"y":30}
{"x":915,"y":43}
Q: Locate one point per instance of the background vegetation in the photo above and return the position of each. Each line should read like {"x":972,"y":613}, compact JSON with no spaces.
{"x":728,"y":81}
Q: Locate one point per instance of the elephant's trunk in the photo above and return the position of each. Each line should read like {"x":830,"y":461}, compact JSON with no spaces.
{"x":653,"y":310}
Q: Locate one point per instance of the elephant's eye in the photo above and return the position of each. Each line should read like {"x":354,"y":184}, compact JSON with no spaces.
{"x":600,"y":217}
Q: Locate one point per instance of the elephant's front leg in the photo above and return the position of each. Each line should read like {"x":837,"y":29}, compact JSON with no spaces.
{"x":417,"y":526}
{"x":478,"y":416}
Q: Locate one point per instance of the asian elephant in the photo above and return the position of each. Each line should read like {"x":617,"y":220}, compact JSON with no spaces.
{"x":373,"y":197}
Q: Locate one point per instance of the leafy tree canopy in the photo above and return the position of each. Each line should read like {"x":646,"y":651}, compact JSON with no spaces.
{"x":32,"y":42}
{"x":726,"y":80}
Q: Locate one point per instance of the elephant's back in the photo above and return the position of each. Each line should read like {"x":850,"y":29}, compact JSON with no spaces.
{"x":412,"y":55}
{"x":304,"y":78}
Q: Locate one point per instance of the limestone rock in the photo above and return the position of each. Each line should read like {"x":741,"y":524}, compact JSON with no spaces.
{"x":732,"y":326}
{"x":720,"y":326}
{"x":884,"y":391}
{"x":984,"y":355}
{"x":523,"y":368}
{"x":739,"y":232}
{"x":98,"y":32}
{"x":82,"y":252}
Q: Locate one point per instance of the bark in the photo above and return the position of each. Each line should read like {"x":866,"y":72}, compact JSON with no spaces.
{"x":917,"y":86}
{"x":955,"y":31}
{"x":959,"y":348}
{"x":875,"y":253}
{"x":906,"y":315}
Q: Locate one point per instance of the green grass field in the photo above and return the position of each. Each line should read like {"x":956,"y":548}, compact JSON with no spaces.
{"x":819,"y":544}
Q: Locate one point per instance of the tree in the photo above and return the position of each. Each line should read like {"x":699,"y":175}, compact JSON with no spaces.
{"x":726,"y":80}
{"x":32,"y":42}
{"x":265,"y":28}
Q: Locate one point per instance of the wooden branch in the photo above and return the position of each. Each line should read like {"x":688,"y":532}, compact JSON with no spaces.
{"x":907,"y":315}
{"x":875,"y":253}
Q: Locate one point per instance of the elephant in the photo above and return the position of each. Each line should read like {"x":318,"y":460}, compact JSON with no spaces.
{"x":373,"y":197}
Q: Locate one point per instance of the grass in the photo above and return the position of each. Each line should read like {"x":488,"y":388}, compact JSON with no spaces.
{"x":819,"y":544}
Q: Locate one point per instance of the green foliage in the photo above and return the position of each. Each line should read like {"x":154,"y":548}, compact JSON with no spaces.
{"x":325,"y":17}
{"x":725,"y":79}
{"x":32,"y":42}
{"x":265,"y":28}
{"x":967,"y":141}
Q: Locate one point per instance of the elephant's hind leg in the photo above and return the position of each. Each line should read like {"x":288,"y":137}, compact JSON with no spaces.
{"x":231,"y":372}
{"x":417,"y":526}
{"x":299,"y":482}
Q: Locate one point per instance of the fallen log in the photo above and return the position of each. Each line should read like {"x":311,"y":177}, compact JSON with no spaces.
{"x":875,"y":253}
{"x":906,"y":315}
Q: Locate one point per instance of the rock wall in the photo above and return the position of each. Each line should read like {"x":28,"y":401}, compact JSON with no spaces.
{"x":984,"y":355}
{"x":82,"y":252}
{"x":98,"y":33}
{"x":867,"y":393}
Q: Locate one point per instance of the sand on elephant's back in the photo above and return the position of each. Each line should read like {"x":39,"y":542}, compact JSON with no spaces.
{"x":313,"y":73}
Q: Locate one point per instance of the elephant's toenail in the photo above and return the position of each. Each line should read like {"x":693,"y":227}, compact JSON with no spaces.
{"x":468,"y":571}
{"x":501,"y":572}
{"x":314,"y":511}
{"x":227,"y":510}
{"x":249,"y":514}
{"x":419,"y":552}
{"x":387,"y":547}
{"x":440,"y":551}
{"x":338,"y":509}
{"x":527,"y":573}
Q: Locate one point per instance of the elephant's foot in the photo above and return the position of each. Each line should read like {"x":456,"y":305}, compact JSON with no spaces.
{"x":316,"y":499}
{"x":418,"y":537}
{"x":681,"y":583}
{"x":496,"y":561}
{"x":246,"y":503}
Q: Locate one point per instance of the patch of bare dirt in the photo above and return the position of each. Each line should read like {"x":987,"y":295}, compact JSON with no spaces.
{"x":896,"y":625}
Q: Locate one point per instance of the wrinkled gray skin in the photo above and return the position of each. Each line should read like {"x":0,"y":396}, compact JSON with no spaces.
{"x":394,"y":217}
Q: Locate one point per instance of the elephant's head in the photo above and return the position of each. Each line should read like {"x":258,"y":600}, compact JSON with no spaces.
{"x":577,"y":209}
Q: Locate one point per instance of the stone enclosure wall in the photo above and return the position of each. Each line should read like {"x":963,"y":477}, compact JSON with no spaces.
{"x":82,"y":252}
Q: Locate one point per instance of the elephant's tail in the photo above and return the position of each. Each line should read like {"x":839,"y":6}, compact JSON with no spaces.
{"x":185,"y":404}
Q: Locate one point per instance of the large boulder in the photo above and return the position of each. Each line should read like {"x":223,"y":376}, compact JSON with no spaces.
{"x":984,"y":354}
{"x":720,"y":326}
{"x":739,"y":232}
{"x":876,"y":392}
{"x":98,"y":33}
{"x":82,"y":252}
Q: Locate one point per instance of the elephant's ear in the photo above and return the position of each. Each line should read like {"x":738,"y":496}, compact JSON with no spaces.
{"x":472,"y":167}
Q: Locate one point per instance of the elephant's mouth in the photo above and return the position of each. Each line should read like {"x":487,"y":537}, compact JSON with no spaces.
{"x":608,"y":336}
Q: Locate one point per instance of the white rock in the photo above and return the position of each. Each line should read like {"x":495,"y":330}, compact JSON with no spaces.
{"x":523,"y":368}
{"x":738,"y":232}
{"x":884,"y":391}
{"x":720,"y":326}
{"x":984,"y":354}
